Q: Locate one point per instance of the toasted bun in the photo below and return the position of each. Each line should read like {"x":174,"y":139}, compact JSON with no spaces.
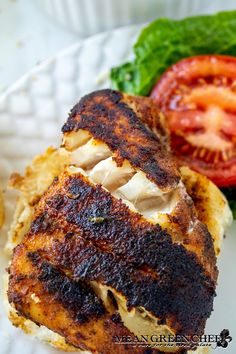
{"x":37,"y":178}
{"x":1,"y":208}
{"x":211,"y":206}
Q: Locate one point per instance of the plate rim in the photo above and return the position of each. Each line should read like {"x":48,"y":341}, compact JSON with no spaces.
{"x":47,"y":61}
{"x":62,"y":52}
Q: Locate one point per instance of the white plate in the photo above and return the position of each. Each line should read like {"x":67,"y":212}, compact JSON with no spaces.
{"x":32,"y":112}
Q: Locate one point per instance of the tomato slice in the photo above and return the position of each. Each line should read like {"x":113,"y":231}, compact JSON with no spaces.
{"x":198,"y":97}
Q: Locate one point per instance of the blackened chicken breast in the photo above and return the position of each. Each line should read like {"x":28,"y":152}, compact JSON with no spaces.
{"x":115,"y":245}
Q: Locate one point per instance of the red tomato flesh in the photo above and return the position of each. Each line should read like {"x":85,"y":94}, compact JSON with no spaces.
{"x":198,"y":97}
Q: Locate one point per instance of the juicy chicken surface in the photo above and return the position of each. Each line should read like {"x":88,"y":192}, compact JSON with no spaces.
{"x":116,"y":246}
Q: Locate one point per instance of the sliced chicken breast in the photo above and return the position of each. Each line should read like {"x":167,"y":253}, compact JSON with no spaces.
{"x":115,"y":244}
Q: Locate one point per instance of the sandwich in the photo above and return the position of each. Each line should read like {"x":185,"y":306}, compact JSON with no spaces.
{"x":110,"y":238}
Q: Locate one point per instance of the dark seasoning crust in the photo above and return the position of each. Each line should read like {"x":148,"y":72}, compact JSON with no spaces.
{"x":108,"y":117}
{"x":81,"y":233}
{"x":123,"y":251}
{"x":134,"y":128}
{"x":77,"y":297}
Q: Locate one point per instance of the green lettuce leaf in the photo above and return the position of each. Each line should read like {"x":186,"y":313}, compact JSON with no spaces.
{"x":232,"y":204}
{"x":230,"y":193}
{"x":166,"y":41}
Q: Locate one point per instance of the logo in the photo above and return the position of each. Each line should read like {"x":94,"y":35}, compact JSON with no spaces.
{"x":188,"y":342}
{"x":225,"y":339}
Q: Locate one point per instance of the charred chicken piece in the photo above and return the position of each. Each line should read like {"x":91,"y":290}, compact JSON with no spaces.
{"x":116,"y":246}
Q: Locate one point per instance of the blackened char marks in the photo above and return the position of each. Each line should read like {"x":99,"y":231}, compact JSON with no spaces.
{"x":116,"y":318}
{"x":43,"y":223}
{"x":76,"y":297}
{"x":72,"y":124}
{"x":107,"y":115}
{"x":115,"y":246}
{"x":40,"y":223}
{"x":181,"y":291}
